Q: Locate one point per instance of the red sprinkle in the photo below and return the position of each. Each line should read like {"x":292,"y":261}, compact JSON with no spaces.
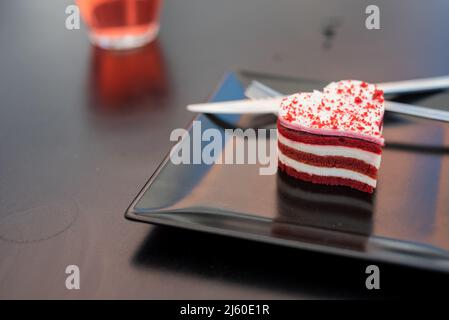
{"x":349,"y":106}
{"x":378,"y":95}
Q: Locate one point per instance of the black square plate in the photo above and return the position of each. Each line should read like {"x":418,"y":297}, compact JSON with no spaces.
{"x":406,"y":221}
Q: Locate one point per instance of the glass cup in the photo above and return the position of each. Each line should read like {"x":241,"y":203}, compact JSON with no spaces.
{"x":121,"y":24}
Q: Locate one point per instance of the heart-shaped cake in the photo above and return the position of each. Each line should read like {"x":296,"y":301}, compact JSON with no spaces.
{"x":333,"y":137}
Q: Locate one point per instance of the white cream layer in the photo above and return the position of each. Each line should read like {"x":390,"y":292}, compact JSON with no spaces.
{"x":325,"y":171}
{"x":335,"y":151}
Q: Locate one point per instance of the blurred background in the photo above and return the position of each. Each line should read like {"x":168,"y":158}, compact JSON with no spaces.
{"x":83,"y":128}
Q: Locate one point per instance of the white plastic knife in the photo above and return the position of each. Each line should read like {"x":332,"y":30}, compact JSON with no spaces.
{"x":271,"y":104}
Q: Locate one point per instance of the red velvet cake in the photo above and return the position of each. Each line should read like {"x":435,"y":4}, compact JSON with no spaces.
{"x":333,"y":137}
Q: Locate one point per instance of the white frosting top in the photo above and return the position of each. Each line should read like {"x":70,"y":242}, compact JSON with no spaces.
{"x":346,"y":108}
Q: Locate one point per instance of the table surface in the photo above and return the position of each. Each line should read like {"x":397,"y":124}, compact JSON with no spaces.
{"x":82,"y":130}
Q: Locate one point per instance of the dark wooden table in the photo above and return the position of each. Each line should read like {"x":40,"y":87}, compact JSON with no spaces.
{"x":81,"y":131}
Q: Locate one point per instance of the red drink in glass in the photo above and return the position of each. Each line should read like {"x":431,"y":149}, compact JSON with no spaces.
{"x":121,"y":24}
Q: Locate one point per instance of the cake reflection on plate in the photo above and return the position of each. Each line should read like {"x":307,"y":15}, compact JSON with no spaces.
{"x":331,"y":215}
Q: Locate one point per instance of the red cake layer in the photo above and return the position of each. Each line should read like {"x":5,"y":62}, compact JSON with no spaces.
{"x":328,"y":180}
{"x":329,"y":161}
{"x":309,"y":138}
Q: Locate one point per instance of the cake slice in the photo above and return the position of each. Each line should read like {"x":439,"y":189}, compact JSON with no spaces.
{"x":333,"y":137}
